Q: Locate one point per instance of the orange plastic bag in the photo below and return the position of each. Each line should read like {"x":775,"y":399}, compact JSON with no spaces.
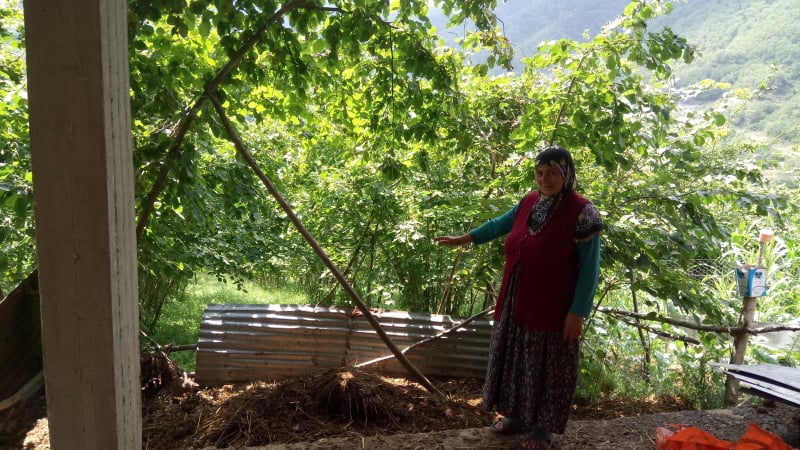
{"x":757,"y":438}
{"x":692,"y":438}
{"x":662,"y":434}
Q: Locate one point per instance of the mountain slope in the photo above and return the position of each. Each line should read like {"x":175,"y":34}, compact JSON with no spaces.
{"x":744,"y":43}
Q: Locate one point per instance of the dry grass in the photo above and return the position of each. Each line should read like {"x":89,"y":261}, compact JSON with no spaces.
{"x":338,"y":403}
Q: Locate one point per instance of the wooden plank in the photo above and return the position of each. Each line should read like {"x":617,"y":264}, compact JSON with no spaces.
{"x":81,"y":156}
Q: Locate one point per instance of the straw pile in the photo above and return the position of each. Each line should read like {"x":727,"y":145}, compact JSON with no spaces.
{"x":337,"y":403}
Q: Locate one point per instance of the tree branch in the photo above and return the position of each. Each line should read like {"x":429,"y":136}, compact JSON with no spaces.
{"x":191,"y":113}
{"x":448,"y":287}
{"x":664,"y":334}
{"x":561,"y":110}
{"x":699,"y":326}
{"x":316,"y":247}
{"x":350,"y":262}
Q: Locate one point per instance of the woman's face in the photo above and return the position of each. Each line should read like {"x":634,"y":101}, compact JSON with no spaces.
{"x":549,"y":179}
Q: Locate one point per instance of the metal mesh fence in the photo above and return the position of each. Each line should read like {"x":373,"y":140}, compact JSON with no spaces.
{"x":700,"y":269}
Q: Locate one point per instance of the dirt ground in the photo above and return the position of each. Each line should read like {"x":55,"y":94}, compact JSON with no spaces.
{"x":358,"y":410}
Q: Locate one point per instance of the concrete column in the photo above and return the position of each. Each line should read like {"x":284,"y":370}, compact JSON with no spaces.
{"x":85,"y":223}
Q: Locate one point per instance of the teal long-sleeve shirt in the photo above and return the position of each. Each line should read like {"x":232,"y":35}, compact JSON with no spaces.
{"x":588,"y":255}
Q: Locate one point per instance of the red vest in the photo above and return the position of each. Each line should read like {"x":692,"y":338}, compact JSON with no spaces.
{"x":548,"y":265}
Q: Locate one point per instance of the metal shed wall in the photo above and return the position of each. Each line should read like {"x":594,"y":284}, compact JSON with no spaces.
{"x":20,"y":339}
{"x":241,"y":343}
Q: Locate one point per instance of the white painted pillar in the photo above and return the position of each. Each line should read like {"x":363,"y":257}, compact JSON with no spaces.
{"x":85,"y":223}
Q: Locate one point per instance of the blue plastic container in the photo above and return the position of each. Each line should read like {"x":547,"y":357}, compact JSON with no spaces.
{"x":751,"y":281}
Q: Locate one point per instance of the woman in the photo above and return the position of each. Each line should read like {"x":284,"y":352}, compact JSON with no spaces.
{"x":549,"y":281}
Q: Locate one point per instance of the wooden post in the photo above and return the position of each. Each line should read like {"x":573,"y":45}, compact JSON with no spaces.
{"x":739,"y":349}
{"x":81,"y":152}
{"x":748,"y":314}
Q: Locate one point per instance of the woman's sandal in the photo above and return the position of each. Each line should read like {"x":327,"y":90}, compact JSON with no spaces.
{"x":538,"y":439}
{"x":507,"y":425}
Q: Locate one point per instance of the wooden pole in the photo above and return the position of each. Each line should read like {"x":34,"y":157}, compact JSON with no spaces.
{"x":182,"y":127}
{"x":740,"y":339}
{"x":318,"y":250}
{"x":745,"y":320}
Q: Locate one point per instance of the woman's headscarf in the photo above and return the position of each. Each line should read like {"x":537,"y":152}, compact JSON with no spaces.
{"x":561,"y":159}
{"x":590,"y":223}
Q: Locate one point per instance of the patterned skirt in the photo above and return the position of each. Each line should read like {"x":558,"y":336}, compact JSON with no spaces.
{"x":532,"y":374}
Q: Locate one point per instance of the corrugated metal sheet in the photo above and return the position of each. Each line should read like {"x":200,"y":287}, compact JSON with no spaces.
{"x":240,"y":343}
{"x":20,"y":337}
{"x":770,"y":381}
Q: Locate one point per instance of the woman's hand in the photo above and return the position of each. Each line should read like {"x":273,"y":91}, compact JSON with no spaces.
{"x":465,"y":238}
{"x":573,"y":325}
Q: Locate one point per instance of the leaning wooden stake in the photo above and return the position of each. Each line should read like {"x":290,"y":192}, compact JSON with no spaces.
{"x":317,"y":249}
{"x":182,"y":127}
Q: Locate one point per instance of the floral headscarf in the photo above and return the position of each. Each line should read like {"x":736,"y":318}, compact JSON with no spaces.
{"x":561,"y":159}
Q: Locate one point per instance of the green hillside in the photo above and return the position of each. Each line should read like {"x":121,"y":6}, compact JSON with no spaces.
{"x":745,"y":43}
{"x":528,"y":23}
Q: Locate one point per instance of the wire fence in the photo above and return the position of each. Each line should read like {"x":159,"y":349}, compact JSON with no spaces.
{"x":700,"y":269}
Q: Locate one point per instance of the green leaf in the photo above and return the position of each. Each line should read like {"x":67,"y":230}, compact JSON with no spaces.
{"x":204,"y":29}
{"x":22,"y":206}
